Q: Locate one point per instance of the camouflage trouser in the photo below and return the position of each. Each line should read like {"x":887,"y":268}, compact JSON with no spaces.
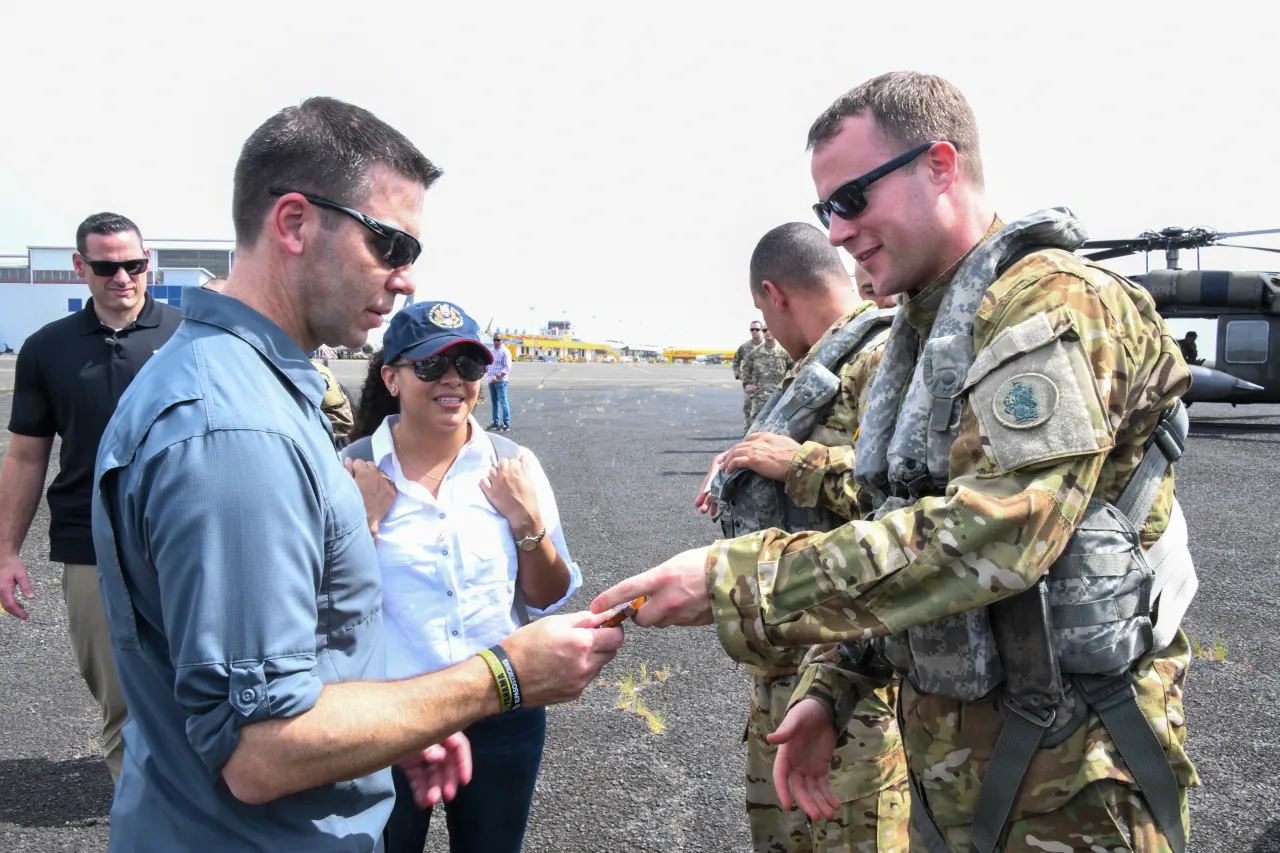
{"x":746,"y":411}
{"x":752,"y":406}
{"x":870,"y":821}
{"x":1107,"y":816}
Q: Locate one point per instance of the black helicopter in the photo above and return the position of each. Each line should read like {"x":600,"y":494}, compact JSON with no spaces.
{"x":1245,"y":364}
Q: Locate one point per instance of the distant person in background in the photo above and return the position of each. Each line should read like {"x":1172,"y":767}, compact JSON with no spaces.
{"x":1190,"y":353}
{"x":336,"y":404}
{"x":498,"y":372}
{"x":757,"y":337}
{"x":866,"y":289}
{"x":69,"y":378}
{"x":762,"y":373}
{"x":471,"y":545}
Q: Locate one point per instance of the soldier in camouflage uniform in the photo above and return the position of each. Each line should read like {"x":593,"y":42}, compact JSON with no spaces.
{"x":762,"y":372}
{"x":335,"y":405}
{"x":803,"y":290}
{"x":1070,"y":372}
{"x":757,"y":338}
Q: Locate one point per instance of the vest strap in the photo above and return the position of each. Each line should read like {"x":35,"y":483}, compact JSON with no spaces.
{"x":1015,"y":749}
{"x":1116,"y":702}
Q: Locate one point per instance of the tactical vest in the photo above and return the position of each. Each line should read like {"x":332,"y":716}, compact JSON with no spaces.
{"x":1067,"y":644}
{"x":747,"y":502}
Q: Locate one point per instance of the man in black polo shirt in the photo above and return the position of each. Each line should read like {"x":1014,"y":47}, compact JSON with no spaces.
{"x":70,"y":375}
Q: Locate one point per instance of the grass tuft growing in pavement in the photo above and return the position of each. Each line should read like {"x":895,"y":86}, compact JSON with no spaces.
{"x":629,"y":687}
{"x":1218,"y":651}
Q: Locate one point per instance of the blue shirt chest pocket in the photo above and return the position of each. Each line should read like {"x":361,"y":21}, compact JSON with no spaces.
{"x":350,"y":593}
{"x":116,"y":600}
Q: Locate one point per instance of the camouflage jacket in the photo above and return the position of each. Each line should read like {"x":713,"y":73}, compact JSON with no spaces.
{"x":765,"y":367}
{"x":992,"y":533}
{"x":740,"y":356}
{"x":821,"y":472}
{"x":824,"y":462}
{"x":335,"y":405}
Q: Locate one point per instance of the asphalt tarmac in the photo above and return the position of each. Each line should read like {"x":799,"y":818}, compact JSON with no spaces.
{"x":625,"y":447}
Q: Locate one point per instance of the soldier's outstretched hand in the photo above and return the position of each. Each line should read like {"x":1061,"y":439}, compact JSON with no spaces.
{"x":676,"y":592}
{"x":806,"y":742}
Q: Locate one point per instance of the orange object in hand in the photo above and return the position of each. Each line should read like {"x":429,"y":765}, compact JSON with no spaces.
{"x":620,"y":613}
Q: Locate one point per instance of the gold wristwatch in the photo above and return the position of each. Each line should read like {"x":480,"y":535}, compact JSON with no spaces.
{"x":531,"y":543}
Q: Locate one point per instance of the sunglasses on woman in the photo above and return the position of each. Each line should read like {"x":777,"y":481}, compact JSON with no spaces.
{"x":431,"y":369}
{"x":398,"y":248}
{"x":850,"y":199}
{"x":108,"y":269}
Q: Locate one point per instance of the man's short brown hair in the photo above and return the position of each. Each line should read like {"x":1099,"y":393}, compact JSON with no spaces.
{"x":911,"y":109}
{"x":324,"y":147}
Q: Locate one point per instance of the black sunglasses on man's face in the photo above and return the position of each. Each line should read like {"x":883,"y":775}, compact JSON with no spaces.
{"x":398,"y":248}
{"x":107,"y":269}
{"x":850,"y":199}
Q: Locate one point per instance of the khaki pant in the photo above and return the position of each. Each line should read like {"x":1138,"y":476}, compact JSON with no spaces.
{"x":91,"y":644}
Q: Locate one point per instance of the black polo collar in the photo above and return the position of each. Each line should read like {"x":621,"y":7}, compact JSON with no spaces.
{"x":149,"y":318}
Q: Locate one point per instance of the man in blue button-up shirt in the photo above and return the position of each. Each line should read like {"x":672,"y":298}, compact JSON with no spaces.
{"x":238,"y":574}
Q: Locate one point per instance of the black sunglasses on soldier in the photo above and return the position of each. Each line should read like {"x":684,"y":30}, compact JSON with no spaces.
{"x":850,"y":198}
{"x":398,"y":248}
{"x":431,"y":369}
{"x":107,"y":269}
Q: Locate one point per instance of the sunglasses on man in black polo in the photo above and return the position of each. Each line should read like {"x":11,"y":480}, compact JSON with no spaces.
{"x":108,"y":269}
{"x":849,"y":199}
{"x":398,"y":248}
{"x":431,"y":369}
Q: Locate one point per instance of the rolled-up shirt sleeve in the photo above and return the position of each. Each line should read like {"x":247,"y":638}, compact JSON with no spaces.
{"x":236,"y":527}
{"x":551,"y":519}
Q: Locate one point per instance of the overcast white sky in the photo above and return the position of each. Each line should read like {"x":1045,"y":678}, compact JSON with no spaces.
{"x":616,"y":165}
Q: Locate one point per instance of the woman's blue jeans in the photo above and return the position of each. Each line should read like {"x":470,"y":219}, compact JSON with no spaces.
{"x":490,"y":814}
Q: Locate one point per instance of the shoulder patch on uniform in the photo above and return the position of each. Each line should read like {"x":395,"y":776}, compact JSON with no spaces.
{"x":1025,"y":401}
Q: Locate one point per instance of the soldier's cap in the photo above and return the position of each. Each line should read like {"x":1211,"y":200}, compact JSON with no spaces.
{"x":424,"y":329}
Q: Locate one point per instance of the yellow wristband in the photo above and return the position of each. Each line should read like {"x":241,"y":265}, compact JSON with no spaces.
{"x":506,"y":698}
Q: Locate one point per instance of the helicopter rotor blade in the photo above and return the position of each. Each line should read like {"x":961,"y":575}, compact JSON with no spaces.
{"x":1254,"y":248}
{"x":1248,"y":233}
{"x":1106,"y":244}
{"x":1113,"y":253}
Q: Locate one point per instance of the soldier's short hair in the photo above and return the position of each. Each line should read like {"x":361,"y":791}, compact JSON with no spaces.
{"x":323,"y":147}
{"x":103,"y":224}
{"x":911,"y":109}
{"x":796,"y":254}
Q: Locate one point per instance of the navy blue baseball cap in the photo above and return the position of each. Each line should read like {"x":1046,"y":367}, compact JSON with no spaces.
{"x":424,"y":329}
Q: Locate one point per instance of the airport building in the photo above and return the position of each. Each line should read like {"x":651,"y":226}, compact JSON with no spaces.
{"x":554,"y":342}
{"x":41,"y":285}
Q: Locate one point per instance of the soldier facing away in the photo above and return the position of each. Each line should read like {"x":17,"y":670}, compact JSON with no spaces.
{"x":1020,"y":554}
{"x":798,"y":480}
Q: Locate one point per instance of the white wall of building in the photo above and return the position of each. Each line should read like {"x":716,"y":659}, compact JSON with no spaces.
{"x":24,"y":308}
{"x":52,"y":259}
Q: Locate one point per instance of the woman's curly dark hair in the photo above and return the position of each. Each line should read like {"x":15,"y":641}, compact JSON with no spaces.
{"x":376,"y":401}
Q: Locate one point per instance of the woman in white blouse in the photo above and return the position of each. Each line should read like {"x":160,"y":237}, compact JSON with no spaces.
{"x":471,"y":540}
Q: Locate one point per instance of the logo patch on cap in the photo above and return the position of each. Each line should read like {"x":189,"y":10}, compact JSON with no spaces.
{"x":445,"y":315}
{"x":1026,"y":401}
